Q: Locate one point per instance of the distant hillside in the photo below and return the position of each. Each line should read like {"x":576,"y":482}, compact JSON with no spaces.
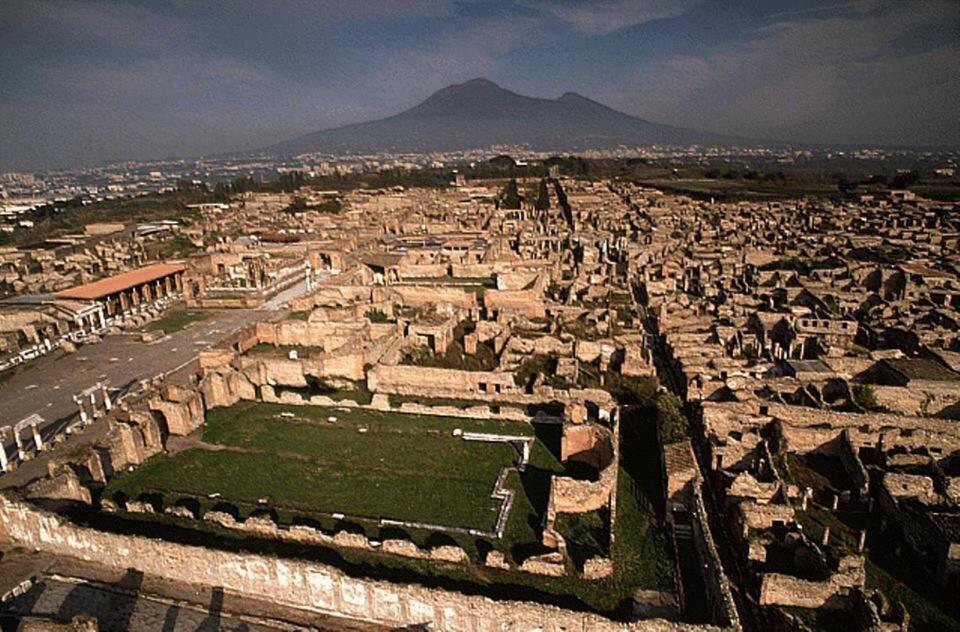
{"x":479,"y":113}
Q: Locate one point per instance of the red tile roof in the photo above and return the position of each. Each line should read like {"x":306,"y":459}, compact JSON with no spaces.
{"x":125,"y":281}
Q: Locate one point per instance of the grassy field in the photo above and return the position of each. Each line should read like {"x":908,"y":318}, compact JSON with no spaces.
{"x":410,"y":449}
{"x":367,"y":465}
{"x":177,"y":320}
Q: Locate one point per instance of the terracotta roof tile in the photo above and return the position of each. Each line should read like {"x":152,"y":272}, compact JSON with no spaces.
{"x":127,"y":280}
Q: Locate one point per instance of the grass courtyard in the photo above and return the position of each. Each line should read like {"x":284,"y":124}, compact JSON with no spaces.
{"x":407,"y":467}
{"x":366,"y":465}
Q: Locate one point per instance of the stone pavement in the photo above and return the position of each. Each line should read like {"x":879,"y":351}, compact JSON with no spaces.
{"x":48,"y":388}
{"x":47,"y":385}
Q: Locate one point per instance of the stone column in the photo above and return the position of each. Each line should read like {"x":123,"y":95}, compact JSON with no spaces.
{"x":20,"y":453}
{"x":83,"y":412}
{"x":4,"y":464}
{"x":37,"y":441}
{"x":103,"y":321}
{"x":526,"y":456}
{"x":106,"y":397}
{"x":93,"y":405}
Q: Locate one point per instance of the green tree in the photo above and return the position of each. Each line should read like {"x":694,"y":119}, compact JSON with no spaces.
{"x":905,"y":179}
{"x":543,"y":197}
{"x":511,"y":196}
{"x":670,"y":416}
{"x":866,"y":397}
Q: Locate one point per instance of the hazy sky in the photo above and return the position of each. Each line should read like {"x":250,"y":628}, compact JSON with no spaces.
{"x":84,"y":82}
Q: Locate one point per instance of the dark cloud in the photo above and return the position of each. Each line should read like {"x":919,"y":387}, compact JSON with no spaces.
{"x":93,"y":81}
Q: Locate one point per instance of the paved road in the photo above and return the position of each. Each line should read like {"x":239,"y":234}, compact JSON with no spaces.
{"x":47,"y":385}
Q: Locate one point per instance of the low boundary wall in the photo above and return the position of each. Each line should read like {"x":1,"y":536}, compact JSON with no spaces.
{"x":299,"y":584}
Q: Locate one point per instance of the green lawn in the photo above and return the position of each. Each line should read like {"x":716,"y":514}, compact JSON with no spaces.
{"x":422,"y":471}
{"x":403,"y":467}
{"x":177,"y":320}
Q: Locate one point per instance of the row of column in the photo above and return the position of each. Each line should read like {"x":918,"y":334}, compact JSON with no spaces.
{"x":33,"y":422}
{"x":145,"y":293}
{"x":94,"y":321}
{"x":87,"y":406}
{"x":88,"y":400}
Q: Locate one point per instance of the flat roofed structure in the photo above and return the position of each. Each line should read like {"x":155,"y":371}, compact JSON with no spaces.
{"x":132,"y":292}
{"x":127,"y":280}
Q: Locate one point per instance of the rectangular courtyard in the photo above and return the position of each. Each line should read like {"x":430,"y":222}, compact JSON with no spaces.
{"x":317,"y":461}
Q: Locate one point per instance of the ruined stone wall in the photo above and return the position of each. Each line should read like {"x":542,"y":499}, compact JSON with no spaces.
{"x":182,"y":409}
{"x":414,"y":380}
{"x":754,"y":515}
{"x":589,"y":351}
{"x":680,"y":470}
{"x":850,"y":459}
{"x":541,"y":345}
{"x":278,"y":371}
{"x":326,"y":336}
{"x":570,"y":495}
{"x":473,"y":270}
{"x":226,"y":387}
{"x":214,"y":358}
{"x":294,"y":583}
{"x":413,"y":271}
{"x":519,"y":281}
{"x":419,"y":296}
{"x":332,"y":296}
{"x":526,"y":302}
{"x":387,"y":350}
{"x":786,"y":590}
{"x":346,"y":365}
{"x":14,"y":322}
{"x":473,"y":412}
{"x":62,"y":484}
{"x":717,"y":586}
{"x":806,"y":429}
{"x":921,"y":398}
{"x":592,"y":443}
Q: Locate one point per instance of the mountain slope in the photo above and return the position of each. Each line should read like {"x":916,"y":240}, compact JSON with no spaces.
{"x":479,"y":113}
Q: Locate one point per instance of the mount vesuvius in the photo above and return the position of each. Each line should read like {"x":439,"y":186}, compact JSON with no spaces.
{"x":479,"y":113}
